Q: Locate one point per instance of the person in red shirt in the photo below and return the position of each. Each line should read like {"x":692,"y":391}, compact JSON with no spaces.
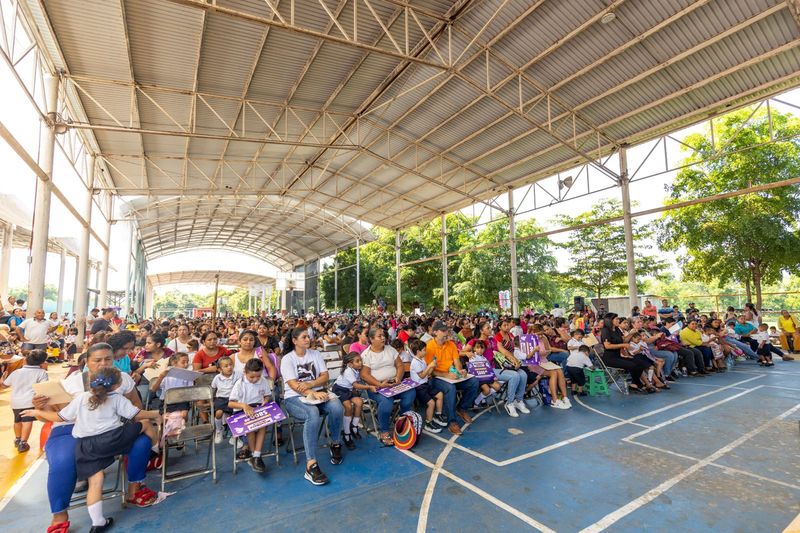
{"x":405,"y":333}
{"x":205,"y":359}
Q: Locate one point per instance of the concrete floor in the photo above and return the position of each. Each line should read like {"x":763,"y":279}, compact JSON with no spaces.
{"x":720,"y":453}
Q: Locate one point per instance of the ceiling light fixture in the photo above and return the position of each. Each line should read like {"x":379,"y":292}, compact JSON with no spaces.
{"x":608,"y":17}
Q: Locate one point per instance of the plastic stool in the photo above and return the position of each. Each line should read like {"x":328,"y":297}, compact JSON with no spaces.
{"x":596,"y":382}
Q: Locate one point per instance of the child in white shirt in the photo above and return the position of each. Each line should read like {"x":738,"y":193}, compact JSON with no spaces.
{"x":101,"y":435}
{"x":578,"y":360}
{"x":251,"y":391}
{"x":426,"y":396}
{"x":764,"y":349}
{"x":486,"y":387}
{"x":21,"y":381}
{"x":222,"y":384}
{"x":344,"y":386}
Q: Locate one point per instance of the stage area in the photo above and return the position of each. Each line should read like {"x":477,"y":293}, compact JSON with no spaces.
{"x":713,"y":454}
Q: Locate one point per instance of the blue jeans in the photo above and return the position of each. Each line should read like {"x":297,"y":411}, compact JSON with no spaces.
{"x":559,"y":358}
{"x":670,"y":358}
{"x":743,"y":346}
{"x":61,"y":474}
{"x":385,"y":406}
{"x":469,"y":390}
{"x":311,"y":415}
{"x":517,"y":379}
{"x":708,"y":355}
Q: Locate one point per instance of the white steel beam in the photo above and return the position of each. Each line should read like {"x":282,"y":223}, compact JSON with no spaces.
{"x":81,"y":303}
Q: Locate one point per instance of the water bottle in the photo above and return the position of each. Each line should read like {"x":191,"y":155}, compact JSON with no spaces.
{"x":684,"y":372}
{"x":729,"y":362}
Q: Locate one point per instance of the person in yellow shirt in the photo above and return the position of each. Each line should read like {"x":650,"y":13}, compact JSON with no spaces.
{"x":692,"y":338}
{"x":448,"y":367}
{"x":790,"y":334}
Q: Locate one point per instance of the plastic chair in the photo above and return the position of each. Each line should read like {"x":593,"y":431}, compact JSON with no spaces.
{"x":596,"y":382}
{"x":192,"y":432}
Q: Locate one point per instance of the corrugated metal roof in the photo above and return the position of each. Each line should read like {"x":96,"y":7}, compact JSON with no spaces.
{"x":421,"y":138}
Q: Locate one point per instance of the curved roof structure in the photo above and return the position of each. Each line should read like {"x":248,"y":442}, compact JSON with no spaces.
{"x":278,"y":125}
{"x":236,"y":279}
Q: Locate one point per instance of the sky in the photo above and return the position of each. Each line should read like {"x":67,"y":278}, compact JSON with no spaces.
{"x":17,"y":113}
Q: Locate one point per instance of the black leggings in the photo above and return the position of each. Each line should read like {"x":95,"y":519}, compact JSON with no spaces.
{"x":692,"y":359}
{"x":632,"y":366}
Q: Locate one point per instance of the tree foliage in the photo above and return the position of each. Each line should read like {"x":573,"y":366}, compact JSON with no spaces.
{"x":751,"y":238}
{"x":598,"y":264}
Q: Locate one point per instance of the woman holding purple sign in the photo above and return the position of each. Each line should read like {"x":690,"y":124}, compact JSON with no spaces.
{"x":508,"y":370}
{"x":383,"y":368}
{"x":305,"y":398}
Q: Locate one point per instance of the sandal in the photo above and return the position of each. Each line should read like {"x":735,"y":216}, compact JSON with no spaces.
{"x":386,"y":441}
{"x":61,"y":527}
{"x":244,"y":453}
{"x":143,"y":497}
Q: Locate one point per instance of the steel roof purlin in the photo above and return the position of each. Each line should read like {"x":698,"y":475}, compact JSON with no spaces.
{"x":288,"y":127}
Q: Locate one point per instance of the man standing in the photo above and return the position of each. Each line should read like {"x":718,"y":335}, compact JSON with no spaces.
{"x":448,"y":367}
{"x":103,"y":323}
{"x":665,"y":311}
{"x":790,"y":334}
{"x":33,"y":331}
{"x":131,"y":317}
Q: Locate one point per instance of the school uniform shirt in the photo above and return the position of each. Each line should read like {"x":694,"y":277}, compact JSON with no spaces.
{"x":224,"y":384}
{"x":347,"y":378}
{"x":759,"y":336}
{"x":405,"y":356}
{"x":417,"y":367}
{"x":103,"y":418}
{"x":578,"y":360}
{"x":306,"y":368}
{"x":573,"y":345}
{"x":245,"y":392}
{"x":21,"y":382}
{"x":35,"y":330}
{"x":381,"y":364}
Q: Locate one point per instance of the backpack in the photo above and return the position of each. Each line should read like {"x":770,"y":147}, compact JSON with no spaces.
{"x":544,"y":390}
{"x":407,"y":429}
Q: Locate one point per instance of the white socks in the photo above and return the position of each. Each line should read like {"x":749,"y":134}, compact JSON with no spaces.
{"x":218,"y":424}
{"x":257,"y":453}
{"x":96,"y":513}
{"x":357,"y":421}
{"x":347,"y":421}
{"x":480,"y":398}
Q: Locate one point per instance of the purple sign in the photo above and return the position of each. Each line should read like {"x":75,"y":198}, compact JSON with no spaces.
{"x":265,"y":415}
{"x":529,"y":345}
{"x":481,"y":370}
{"x":394,"y":390}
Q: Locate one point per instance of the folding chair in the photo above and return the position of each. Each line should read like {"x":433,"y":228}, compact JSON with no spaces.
{"x":371,"y":407}
{"x":272,"y":452}
{"x":292,"y":422}
{"x":615,"y":375}
{"x":497,"y":398}
{"x":118,"y":490}
{"x":194,"y":431}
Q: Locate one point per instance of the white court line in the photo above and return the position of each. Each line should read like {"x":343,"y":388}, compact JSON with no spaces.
{"x":588,"y":434}
{"x":729,"y":469}
{"x":599,"y":412}
{"x":630,"y":438}
{"x":654,"y":493}
{"x":16,"y":487}
{"x":483,"y":494}
{"x":704,"y":385}
{"x":782,"y":388}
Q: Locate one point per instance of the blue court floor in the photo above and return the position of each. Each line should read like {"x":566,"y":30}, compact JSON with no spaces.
{"x":720,"y":453}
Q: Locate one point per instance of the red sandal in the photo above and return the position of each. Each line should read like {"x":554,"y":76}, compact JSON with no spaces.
{"x":61,"y":527}
{"x":143,"y":497}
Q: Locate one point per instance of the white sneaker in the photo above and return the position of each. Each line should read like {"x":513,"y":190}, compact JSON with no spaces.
{"x":520,"y":405}
{"x":217,"y":437}
{"x":511,"y":410}
{"x":232,"y":441}
{"x":567,"y":402}
{"x":558,"y":404}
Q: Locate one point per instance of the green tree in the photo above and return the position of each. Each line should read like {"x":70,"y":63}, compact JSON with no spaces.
{"x":598,"y":263}
{"x":750,"y":239}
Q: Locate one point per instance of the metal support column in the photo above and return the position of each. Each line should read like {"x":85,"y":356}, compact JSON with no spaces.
{"x":263,"y":299}
{"x":358,"y":276}
{"x":97,"y":284}
{"x":104,"y":269}
{"x":628,"y":223}
{"x":128,"y":279}
{"x":44,"y":188}
{"x":336,"y":280}
{"x":5,"y":260}
{"x":319,"y":279}
{"x":445,"y":294}
{"x":397,"y":283}
{"x":75,"y":287}
{"x":305,"y":287}
{"x":61,"y":267}
{"x":512,"y":246}
{"x":81,"y":303}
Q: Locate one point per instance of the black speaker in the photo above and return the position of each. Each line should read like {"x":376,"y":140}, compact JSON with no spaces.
{"x":578,"y":304}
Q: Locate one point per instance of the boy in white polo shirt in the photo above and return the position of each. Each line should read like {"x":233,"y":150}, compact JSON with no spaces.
{"x":21,"y":381}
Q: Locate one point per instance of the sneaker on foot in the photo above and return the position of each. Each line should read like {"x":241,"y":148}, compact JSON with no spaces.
{"x":558,"y":404}
{"x":511,"y":409}
{"x":440,"y":420}
{"x":23,"y":447}
{"x":232,"y":441}
{"x":433,"y":428}
{"x":315,"y":476}
{"x":257,"y":464}
{"x":336,"y":454}
{"x":217,"y":437}
{"x":567,"y":402}
{"x":521,"y":407}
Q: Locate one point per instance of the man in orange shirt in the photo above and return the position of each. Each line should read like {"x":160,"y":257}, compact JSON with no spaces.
{"x":448,"y":367}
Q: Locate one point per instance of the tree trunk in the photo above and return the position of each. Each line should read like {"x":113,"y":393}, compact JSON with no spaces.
{"x":748,"y":291}
{"x":757,"y":283}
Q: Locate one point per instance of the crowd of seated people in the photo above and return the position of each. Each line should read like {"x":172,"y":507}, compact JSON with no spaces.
{"x":249,"y":360}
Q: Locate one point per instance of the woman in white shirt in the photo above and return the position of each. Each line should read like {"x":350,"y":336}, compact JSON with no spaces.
{"x":306,"y":377}
{"x":181,"y":342}
{"x":383,"y":368}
